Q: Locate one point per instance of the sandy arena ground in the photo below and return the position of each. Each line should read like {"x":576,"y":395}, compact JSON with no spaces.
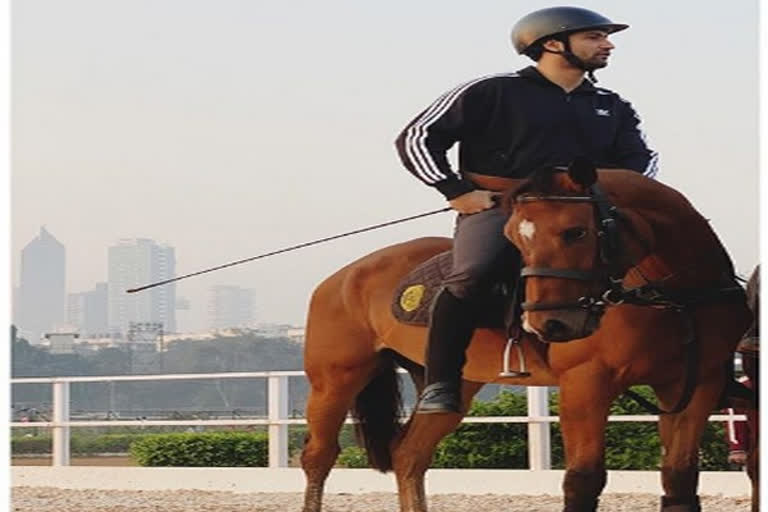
{"x":49,"y":499}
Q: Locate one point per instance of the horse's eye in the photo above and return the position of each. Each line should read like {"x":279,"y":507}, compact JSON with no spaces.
{"x":571,"y":235}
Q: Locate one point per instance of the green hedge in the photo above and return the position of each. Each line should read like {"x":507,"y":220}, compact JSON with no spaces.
{"x":31,"y":445}
{"x":632,"y":446}
{"x":213,"y":449}
{"x":488,"y":445}
{"x":79,"y":444}
{"x":109,"y":443}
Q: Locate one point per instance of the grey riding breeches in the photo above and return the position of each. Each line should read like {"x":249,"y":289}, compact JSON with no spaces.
{"x":481,"y":253}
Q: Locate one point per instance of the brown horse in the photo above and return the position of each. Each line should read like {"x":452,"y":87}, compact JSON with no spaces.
{"x":637,"y":287}
{"x":750,"y":350}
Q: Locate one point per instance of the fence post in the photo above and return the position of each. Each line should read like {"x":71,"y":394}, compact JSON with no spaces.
{"x":60,"y":415}
{"x":539,"y":447}
{"x":278,"y":410}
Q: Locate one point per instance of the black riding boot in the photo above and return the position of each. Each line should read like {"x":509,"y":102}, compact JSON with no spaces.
{"x":450,"y":331}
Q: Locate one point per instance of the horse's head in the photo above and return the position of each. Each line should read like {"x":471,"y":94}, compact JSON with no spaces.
{"x":566,"y":232}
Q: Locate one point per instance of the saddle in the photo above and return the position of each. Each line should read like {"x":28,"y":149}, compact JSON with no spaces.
{"x":413,"y":297}
{"x":500,"y":306}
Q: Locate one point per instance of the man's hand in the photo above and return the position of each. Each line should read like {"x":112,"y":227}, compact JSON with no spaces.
{"x":737,"y":457}
{"x":475,"y":201}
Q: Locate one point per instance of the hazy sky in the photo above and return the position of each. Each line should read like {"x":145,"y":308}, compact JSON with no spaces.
{"x":228,"y":128}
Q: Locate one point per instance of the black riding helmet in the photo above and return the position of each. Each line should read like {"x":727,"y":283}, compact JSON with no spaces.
{"x":558,"y":23}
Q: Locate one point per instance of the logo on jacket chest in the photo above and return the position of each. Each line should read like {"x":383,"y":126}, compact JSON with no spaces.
{"x":604,"y":112}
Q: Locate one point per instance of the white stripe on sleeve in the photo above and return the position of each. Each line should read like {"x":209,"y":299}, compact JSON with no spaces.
{"x":415,"y":142}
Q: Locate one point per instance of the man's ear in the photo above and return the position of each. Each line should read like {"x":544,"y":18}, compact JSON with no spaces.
{"x":553,"y":45}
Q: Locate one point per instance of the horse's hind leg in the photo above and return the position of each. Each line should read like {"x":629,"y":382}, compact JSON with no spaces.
{"x":412,"y":453}
{"x":329,"y":401}
{"x":585,"y":399}
{"x":680,"y":436}
{"x":339,"y":364}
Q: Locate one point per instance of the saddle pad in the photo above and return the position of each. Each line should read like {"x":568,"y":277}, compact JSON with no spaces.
{"x":413,"y":297}
{"x":414,"y":294}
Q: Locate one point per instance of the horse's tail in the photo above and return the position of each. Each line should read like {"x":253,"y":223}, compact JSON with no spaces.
{"x":377,"y":409}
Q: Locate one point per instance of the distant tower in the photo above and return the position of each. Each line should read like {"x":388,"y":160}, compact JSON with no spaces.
{"x":15,"y":305}
{"x":42,"y":292}
{"x":231,"y":306}
{"x":132,"y":263}
{"x":87,"y":311}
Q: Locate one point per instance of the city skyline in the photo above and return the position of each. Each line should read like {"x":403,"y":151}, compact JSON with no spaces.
{"x":87,"y":311}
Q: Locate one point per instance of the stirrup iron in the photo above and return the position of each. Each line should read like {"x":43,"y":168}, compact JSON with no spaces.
{"x":506,"y":372}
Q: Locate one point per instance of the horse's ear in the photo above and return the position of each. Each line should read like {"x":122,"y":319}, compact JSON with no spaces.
{"x":583,"y":171}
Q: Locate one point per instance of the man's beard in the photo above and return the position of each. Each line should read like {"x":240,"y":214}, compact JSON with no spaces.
{"x":593,"y":64}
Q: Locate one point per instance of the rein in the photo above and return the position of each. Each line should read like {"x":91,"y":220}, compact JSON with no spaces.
{"x":611,"y":275}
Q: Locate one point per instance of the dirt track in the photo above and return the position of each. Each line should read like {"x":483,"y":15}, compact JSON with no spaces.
{"x":48,"y":499}
{"x":76,"y":461}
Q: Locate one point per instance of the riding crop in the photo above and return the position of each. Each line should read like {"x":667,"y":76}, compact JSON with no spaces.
{"x":291,"y":248}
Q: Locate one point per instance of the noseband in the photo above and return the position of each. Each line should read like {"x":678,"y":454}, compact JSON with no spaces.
{"x":609,"y":257}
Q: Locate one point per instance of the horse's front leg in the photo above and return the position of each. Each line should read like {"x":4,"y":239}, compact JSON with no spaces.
{"x":412,"y":453}
{"x":586,"y":393}
{"x":680,"y":436}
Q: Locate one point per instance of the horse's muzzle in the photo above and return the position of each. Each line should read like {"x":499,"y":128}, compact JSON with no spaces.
{"x":561,"y":326}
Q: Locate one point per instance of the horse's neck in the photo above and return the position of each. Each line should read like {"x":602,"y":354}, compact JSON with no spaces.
{"x":686,"y":252}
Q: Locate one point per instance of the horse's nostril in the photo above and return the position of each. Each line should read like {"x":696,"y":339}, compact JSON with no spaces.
{"x":555,"y":329}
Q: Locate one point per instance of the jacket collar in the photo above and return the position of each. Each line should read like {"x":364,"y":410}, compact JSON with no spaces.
{"x":535,"y":75}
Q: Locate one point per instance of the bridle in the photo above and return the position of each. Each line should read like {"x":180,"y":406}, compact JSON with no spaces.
{"x":612,"y":261}
{"x":609,"y":270}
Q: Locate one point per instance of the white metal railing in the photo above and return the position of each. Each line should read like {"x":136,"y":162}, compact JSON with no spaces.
{"x":277,"y":420}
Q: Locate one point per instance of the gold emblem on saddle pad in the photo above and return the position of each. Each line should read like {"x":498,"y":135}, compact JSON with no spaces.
{"x":410,"y":300}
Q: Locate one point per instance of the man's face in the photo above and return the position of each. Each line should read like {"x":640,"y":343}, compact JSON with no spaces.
{"x":592,"y":47}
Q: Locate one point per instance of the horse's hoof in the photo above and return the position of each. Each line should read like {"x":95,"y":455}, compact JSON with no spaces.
{"x":669,"y":504}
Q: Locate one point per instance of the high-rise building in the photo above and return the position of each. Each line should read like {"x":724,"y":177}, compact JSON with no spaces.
{"x":15,"y":307}
{"x":87,"y":311}
{"x":42,"y":293}
{"x":231,"y":306}
{"x":136,"y":262}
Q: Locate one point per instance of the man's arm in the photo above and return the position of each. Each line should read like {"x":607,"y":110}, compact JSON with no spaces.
{"x":630,"y":149}
{"x":425,"y":141}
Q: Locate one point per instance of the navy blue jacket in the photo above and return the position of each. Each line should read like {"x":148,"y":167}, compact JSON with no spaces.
{"x":511,"y":125}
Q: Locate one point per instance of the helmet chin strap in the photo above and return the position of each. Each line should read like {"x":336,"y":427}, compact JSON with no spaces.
{"x":568,"y":55}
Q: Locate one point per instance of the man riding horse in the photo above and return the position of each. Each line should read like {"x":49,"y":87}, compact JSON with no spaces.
{"x":508,"y":126}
